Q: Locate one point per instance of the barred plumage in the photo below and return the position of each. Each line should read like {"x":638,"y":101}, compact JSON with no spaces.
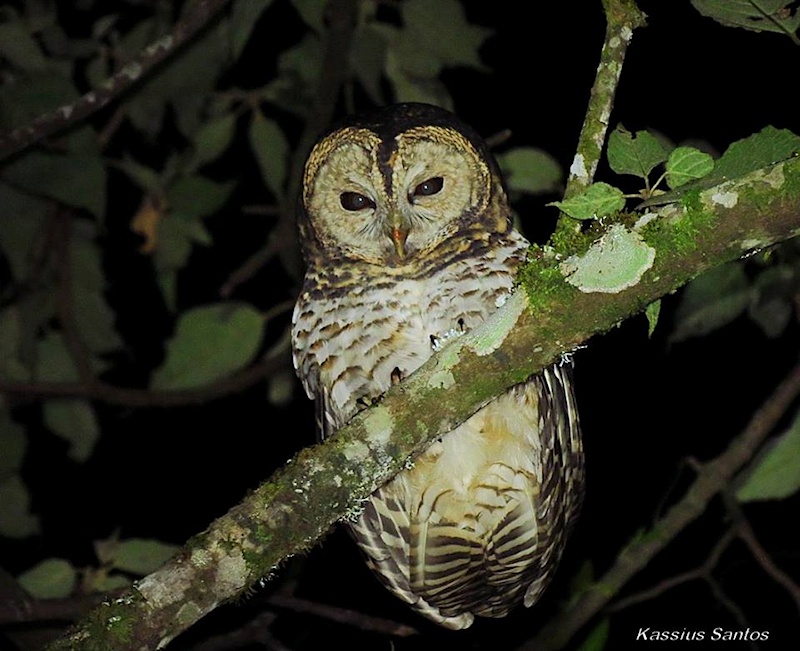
{"x":406,"y":231}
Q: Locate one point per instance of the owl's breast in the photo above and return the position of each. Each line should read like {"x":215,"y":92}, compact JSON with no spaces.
{"x":352,"y":344}
{"x":361,"y":342}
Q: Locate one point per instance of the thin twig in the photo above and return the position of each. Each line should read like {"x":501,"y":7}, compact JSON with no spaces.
{"x":353,"y":618}
{"x":745,"y":532}
{"x":703,"y":572}
{"x":713,"y":477}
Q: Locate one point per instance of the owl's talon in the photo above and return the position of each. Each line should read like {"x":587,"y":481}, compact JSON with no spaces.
{"x":397,"y":376}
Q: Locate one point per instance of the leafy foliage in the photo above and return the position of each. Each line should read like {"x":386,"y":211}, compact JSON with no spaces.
{"x":763,"y":15}
{"x":227,"y":336}
{"x":777,"y":474}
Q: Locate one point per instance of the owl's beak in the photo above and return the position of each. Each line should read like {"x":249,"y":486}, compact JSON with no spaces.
{"x":399,"y":236}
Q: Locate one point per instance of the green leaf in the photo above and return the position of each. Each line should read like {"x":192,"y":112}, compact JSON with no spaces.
{"x":86,"y":260}
{"x":651,"y":312}
{"x":414,"y":87}
{"x":440,"y":27}
{"x":302,"y":62}
{"x":210,"y":342}
{"x":16,"y":520}
{"x":530,"y":170}
{"x":53,"y":361}
{"x":211,"y":140}
{"x":11,"y":336}
{"x":368,"y":60}
{"x":22,"y":219}
{"x":777,"y":474}
{"x":141,"y":556}
{"x":196,"y":197}
{"x":597,"y":638}
{"x":13,"y":444}
{"x":75,"y":179}
{"x":174,"y":244}
{"x":763,"y":15}
{"x":175,"y":240}
{"x":145,"y":177}
{"x":168,"y":284}
{"x":244,"y":16}
{"x":635,"y":154}
{"x":768,"y":146}
{"x":435,"y":35}
{"x":771,"y":305}
{"x":598,"y":200}
{"x":687,"y":164}
{"x":280,"y":388}
{"x":73,"y":420}
{"x":271,"y":150}
{"x":103,"y":25}
{"x":711,"y":301}
{"x":109,"y":582}
{"x":313,"y":13}
{"x":95,"y":320}
{"x":19,"y":48}
{"x":53,"y":578}
{"x":93,"y":316}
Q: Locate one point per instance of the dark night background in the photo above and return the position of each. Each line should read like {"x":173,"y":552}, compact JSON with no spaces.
{"x":646,"y":405}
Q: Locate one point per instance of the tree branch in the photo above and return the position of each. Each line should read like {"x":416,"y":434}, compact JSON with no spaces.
{"x":704,"y":572}
{"x":192,"y":21}
{"x":622,"y":17}
{"x":129,"y":397}
{"x":330,"y":481}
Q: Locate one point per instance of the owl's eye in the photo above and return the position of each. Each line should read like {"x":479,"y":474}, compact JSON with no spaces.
{"x":354,"y":201}
{"x":429,"y":187}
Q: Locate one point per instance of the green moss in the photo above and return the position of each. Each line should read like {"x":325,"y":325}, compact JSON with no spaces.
{"x":569,"y":239}
{"x":679,"y":234}
{"x":257,"y":566}
{"x":791,"y":178}
{"x":691,"y":200}
{"x":542,"y":280}
{"x":110,"y":626}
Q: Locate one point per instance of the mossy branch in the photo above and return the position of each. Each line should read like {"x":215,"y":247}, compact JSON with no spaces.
{"x":328,"y":482}
{"x":622,"y":17}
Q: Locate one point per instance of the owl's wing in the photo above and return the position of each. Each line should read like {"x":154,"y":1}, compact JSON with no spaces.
{"x":453,"y":552}
{"x":318,"y":392}
{"x":449,"y":570}
{"x":386,"y":538}
{"x":562,"y":470}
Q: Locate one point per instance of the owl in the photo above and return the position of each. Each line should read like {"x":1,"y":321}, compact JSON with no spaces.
{"x":406,"y":231}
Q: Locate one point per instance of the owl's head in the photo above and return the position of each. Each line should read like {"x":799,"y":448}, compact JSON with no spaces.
{"x":386,"y":187}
